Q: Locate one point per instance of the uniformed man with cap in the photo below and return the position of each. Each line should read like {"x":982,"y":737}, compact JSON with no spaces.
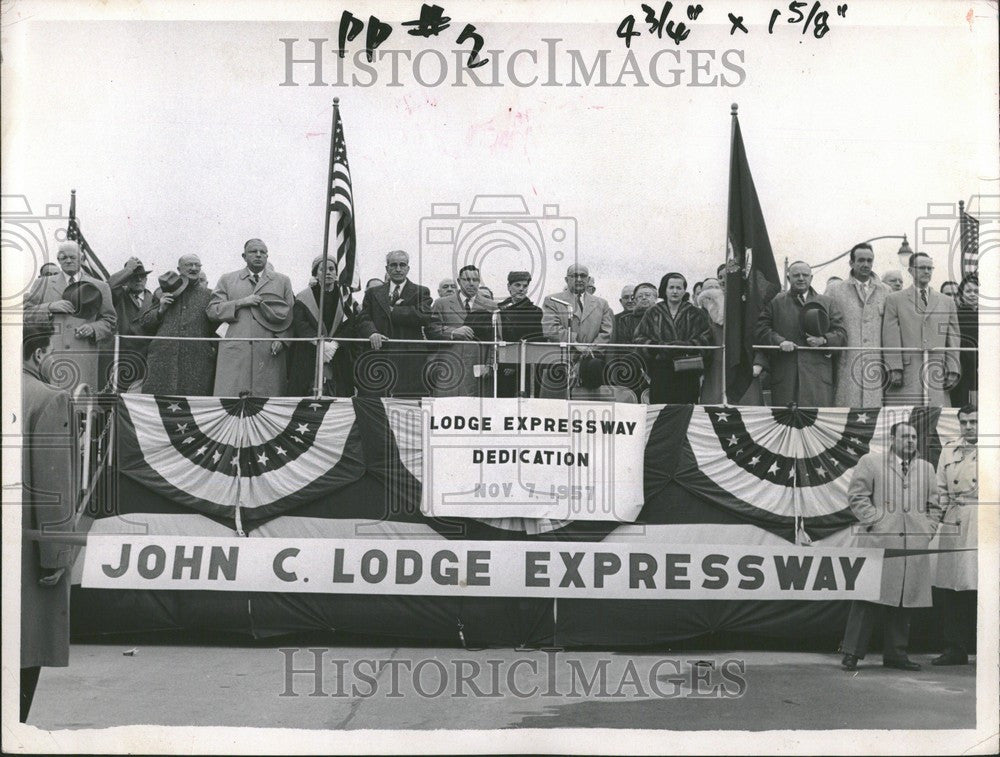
{"x":955,"y":582}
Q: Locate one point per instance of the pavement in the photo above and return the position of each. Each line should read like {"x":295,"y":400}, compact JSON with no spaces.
{"x":424,"y":688}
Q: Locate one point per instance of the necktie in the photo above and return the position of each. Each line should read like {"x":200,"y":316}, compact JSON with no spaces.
{"x":468,"y":305}
{"x":905,"y":465}
{"x":579,"y":305}
{"x":137,"y":299}
{"x":255,"y":279}
{"x":923,"y":297}
{"x":802,"y":300}
{"x":395,"y":294}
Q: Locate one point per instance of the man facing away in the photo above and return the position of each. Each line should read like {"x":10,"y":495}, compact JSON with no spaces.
{"x":894,"y":496}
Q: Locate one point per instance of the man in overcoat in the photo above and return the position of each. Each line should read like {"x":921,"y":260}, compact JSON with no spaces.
{"x":804,"y":377}
{"x":48,"y":505}
{"x":79,"y":335}
{"x":131,"y":298}
{"x":256,"y":302}
{"x":956,"y":580}
{"x":179,"y":309}
{"x":452,"y":368}
{"x":398,"y":309}
{"x":922,"y":318}
{"x":574,"y":315}
{"x":861,"y":299}
{"x":894,"y":497}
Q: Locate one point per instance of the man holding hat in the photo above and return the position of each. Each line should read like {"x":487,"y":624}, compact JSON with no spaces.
{"x":130,"y":298}
{"x":82,"y":313}
{"x":178,"y":309}
{"x":256,"y":302}
{"x":801,"y":318}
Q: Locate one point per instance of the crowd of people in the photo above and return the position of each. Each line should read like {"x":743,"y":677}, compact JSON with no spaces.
{"x":863,"y":342}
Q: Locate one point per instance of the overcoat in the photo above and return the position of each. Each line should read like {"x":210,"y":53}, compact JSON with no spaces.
{"x":250,"y":366}
{"x":180,"y":367}
{"x":452,"y":366}
{"x":338,"y":373}
{"x":860,"y":374}
{"x":907,"y":323}
{"x":690,"y":326}
{"x":896,"y":512}
{"x":74,"y":361}
{"x":958,"y":489}
{"x":802,"y":376}
{"x":48,"y":503}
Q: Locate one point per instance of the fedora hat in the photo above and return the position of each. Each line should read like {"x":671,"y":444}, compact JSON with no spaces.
{"x":814,"y":319}
{"x":173,"y":283}
{"x":274,"y":312}
{"x":85,"y":298}
{"x":140,"y":270}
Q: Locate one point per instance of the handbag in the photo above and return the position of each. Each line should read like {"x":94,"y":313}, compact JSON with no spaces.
{"x":688,"y":364}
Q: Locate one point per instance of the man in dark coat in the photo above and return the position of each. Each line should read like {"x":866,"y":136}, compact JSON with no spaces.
{"x":130,"y":298}
{"x":338,"y":357}
{"x":966,"y":391}
{"x":804,"y":377}
{"x":178,"y":308}
{"x":47,"y":498}
{"x":397,"y":310}
{"x":519,"y":318}
{"x":627,"y":367}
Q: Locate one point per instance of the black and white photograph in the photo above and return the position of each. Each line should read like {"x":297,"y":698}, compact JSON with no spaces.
{"x":500,"y":377}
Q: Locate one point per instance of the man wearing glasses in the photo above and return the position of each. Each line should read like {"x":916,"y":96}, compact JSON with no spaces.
{"x":919,"y":317}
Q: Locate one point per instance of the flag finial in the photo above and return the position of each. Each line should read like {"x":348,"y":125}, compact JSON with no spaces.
{"x":336,"y":101}
{"x":734,"y":107}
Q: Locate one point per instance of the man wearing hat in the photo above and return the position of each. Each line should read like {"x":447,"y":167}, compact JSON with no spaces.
{"x":256,"y":302}
{"x":801,"y":318}
{"x":130,"y":297}
{"x":518,"y":318}
{"x":178,"y":309}
{"x":455,"y":376}
{"x":81,"y":311}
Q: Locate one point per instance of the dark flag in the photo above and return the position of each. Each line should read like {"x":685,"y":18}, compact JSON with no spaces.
{"x":751,"y":275}
{"x":970,"y":243}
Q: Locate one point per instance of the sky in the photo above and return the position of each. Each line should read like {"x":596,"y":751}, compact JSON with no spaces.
{"x":178,"y":136}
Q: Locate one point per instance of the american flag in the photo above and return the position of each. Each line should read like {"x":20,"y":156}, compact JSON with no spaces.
{"x":90,"y":264}
{"x":970,"y":244}
{"x":342,"y":247}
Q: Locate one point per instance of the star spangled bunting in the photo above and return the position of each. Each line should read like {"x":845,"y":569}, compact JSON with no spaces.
{"x":340,"y":204}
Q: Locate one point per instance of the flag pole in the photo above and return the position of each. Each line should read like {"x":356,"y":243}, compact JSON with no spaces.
{"x":734,"y":108}
{"x":318,"y":391}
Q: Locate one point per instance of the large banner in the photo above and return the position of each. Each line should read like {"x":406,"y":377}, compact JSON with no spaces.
{"x":481,"y":568}
{"x":533,"y":458}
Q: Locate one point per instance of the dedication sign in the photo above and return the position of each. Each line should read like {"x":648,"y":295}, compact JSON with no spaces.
{"x":533,"y":458}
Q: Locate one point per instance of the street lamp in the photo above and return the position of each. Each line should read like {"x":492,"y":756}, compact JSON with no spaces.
{"x":904,"y":254}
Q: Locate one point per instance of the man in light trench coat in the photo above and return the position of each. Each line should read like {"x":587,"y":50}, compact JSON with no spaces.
{"x":255,"y":302}
{"x":955,"y":584}
{"x":894,"y":496}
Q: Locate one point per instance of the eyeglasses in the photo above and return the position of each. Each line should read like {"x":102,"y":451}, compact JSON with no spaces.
{"x":923,"y":268}
{"x":397,"y":265}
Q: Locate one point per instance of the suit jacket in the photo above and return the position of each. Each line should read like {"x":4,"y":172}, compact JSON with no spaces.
{"x":249,"y":366}
{"x":907,"y":323}
{"x":562,"y":320}
{"x":48,"y":504}
{"x":896,"y":512}
{"x":75,"y":360}
{"x":454,"y":377}
{"x":802,"y":376}
{"x":396,"y":369}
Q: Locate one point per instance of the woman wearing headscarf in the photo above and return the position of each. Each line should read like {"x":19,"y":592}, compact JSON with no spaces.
{"x":338,"y":357}
{"x":675,"y":375}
